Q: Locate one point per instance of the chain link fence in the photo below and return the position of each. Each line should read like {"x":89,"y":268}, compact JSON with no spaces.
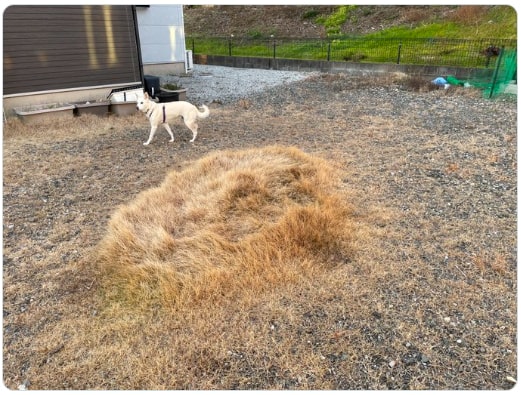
{"x":480,"y":53}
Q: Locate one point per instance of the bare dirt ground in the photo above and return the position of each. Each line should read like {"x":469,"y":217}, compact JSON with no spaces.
{"x":428,"y":302}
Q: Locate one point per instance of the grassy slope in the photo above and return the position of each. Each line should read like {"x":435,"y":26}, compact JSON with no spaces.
{"x":383,"y":21}
{"x":496,"y":22}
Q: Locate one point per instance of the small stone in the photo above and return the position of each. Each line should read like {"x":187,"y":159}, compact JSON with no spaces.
{"x":392,"y":364}
{"x":24,"y":386}
{"x":409,"y":360}
{"x":446,"y":319}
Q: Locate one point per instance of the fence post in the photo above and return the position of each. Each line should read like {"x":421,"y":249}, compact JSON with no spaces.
{"x":193,"y":45}
{"x":230,"y":45}
{"x":274,"y":46}
{"x":399,"y":53}
{"x":328,"y":50}
{"x":496,"y":71}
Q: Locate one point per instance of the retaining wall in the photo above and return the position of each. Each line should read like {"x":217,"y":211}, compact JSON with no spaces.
{"x":343,"y":67}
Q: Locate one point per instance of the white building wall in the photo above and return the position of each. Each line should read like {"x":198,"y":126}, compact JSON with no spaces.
{"x":162,"y":38}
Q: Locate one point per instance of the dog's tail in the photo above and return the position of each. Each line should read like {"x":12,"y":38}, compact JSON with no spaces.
{"x":203,"y":114}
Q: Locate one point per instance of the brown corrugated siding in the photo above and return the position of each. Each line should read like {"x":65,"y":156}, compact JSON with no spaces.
{"x":63,"y":47}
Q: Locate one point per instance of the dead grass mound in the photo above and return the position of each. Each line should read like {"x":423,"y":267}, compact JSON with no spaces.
{"x":234,"y":221}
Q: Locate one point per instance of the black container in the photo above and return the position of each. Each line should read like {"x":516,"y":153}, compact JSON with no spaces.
{"x":165,"y":97}
{"x":152,"y":85}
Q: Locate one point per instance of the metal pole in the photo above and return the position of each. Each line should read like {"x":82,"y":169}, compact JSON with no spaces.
{"x":399,"y":53}
{"x":138,"y":43}
{"x":230,"y":45}
{"x":274,"y":46}
{"x":496,"y":71}
{"x":328,"y":51}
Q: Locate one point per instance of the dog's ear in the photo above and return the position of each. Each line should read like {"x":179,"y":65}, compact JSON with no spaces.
{"x":146,"y":96}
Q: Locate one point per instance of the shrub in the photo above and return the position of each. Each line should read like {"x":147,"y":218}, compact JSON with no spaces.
{"x":334,"y":22}
{"x":309,"y":14}
{"x":171,"y":86}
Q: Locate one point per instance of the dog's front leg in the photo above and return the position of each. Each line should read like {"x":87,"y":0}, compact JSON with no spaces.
{"x":167,"y":127}
{"x":152,"y":132}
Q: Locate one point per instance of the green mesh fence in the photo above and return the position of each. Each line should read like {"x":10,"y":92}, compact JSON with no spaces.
{"x":495,"y":83}
{"x":504,"y":72}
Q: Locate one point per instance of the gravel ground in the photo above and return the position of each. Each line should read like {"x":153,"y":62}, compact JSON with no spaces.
{"x":428,"y":303}
{"x":217,"y":84}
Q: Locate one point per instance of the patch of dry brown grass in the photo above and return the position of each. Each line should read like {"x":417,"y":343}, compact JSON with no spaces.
{"x":87,"y":125}
{"x":469,"y":13}
{"x":243,"y":220}
{"x":428,"y":300}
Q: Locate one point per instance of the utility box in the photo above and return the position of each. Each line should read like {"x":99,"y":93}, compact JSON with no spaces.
{"x":152,"y":85}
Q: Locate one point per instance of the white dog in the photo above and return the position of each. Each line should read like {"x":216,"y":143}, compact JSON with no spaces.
{"x":163,"y":113}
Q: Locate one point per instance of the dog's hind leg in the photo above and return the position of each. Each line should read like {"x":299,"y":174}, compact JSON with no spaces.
{"x":167,"y":127}
{"x":152,"y":132}
{"x":193,"y":127}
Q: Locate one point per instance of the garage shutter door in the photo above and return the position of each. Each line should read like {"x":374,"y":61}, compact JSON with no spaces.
{"x":64,"y":47}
